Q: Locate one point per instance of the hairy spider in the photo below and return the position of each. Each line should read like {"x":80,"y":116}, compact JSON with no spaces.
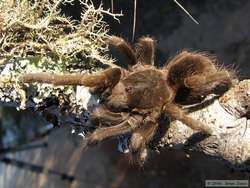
{"x":135,"y":98}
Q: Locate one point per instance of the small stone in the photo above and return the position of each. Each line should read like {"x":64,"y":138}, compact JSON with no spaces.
{"x":170,"y":135}
{"x":82,"y":135}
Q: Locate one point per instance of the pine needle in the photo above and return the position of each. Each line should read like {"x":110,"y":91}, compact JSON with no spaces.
{"x":190,"y":16}
{"x":134,"y":22}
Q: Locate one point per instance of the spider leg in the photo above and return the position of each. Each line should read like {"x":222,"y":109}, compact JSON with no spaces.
{"x":106,"y":78}
{"x":202,"y":85}
{"x":145,"y":50}
{"x":103,"y":116}
{"x":105,"y":132}
{"x":139,"y":140}
{"x":215,"y":79}
{"x":143,"y":134}
{"x":194,"y":75}
{"x":187,"y":64}
{"x":174,"y":111}
{"x":124,"y":48}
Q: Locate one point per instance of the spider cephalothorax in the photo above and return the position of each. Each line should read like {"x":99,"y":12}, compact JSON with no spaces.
{"x":136,"y":97}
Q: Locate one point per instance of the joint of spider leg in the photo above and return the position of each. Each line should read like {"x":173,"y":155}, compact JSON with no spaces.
{"x":143,"y":155}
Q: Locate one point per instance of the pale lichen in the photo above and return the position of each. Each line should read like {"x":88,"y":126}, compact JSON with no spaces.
{"x":35,"y":36}
{"x":39,"y":27}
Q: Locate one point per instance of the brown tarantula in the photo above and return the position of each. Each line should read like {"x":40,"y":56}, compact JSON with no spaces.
{"x":134,"y":99}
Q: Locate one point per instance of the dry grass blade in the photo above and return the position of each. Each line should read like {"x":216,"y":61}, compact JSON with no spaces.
{"x":112,"y":6}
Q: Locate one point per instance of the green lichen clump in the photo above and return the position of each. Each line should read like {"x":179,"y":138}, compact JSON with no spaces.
{"x":35,"y":36}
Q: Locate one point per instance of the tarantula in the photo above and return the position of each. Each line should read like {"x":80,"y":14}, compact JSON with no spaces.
{"x":136,"y":97}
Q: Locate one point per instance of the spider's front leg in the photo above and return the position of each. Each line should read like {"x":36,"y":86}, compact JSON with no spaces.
{"x":102,"y":116}
{"x":139,"y":140}
{"x":124,"y":127}
{"x":143,"y":134}
{"x":174,"y":111}
{"x":104,"y":79}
